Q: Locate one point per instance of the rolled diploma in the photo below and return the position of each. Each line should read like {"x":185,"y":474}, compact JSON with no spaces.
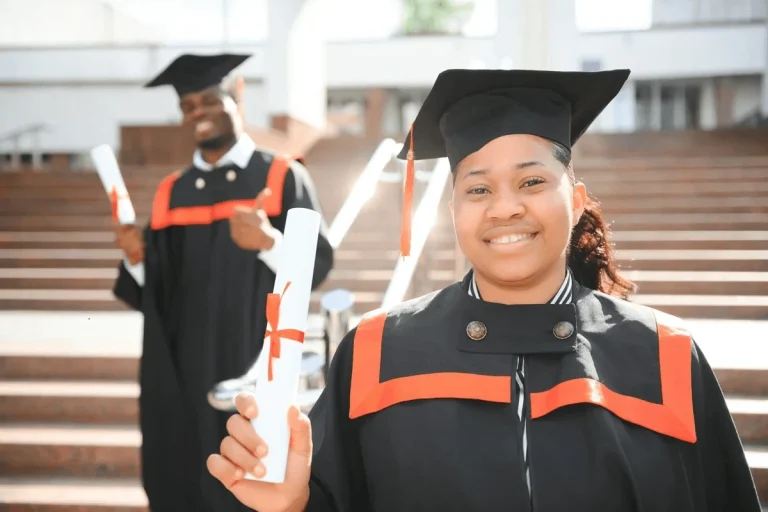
{"x":297,"y":266}
{"x":109,"y":172}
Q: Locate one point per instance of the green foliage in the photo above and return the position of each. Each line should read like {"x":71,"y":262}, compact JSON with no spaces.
{"x":428,"y":17}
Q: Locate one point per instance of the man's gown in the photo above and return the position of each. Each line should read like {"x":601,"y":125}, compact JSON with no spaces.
{"x":204,"y":303}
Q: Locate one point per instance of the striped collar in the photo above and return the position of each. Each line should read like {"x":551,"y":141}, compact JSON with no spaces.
{"x":563,"y":296}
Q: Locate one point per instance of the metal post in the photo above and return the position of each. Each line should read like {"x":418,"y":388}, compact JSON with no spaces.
{"x":337,"y":317}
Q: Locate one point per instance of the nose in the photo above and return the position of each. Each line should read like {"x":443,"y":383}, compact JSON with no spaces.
{"x":505,"y":206}
{"x":198,"y":113}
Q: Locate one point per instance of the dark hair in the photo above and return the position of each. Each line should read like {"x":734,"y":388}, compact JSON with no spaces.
{"x":590,"y":252}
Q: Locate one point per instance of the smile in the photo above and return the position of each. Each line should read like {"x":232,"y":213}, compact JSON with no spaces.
{"x":511,"y":239}
{"x":204,"y":126}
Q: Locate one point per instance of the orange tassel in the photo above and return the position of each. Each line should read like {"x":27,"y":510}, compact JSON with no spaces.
{"x":113,"y":197}
{"x":407,"y":213}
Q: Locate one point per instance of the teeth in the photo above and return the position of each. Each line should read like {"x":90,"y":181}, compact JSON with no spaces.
{"x":204,"y":125}
{"x":510,"y":239}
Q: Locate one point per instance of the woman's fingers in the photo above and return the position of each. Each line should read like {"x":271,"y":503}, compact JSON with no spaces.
{"x":242,"y":432}
{"x":246,"y":405}
{"x":241,"y":457}
{"x":224,"y":471}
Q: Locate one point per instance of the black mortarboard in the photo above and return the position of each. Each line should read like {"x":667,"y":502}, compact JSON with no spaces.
{"x":467,"y":108}
{"x":192,"y":73}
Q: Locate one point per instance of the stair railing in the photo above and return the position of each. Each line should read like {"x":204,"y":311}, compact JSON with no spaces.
{"x":16,"y":135}
{"x":423,"y":222}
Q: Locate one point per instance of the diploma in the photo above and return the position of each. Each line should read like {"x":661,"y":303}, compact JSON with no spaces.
{"x":109,"y":173}
{"x":279,"y":364}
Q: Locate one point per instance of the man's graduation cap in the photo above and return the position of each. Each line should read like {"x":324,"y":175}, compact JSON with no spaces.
{"x":466,"y":109}
{"x":192,"y":73}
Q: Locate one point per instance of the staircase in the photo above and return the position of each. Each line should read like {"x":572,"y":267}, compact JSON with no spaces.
{"x":692,"y":232}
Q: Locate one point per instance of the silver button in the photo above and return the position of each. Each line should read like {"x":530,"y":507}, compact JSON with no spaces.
{"x":231,"y":175}
{"x":476,"y":330}
{"x":563,"y":330}
{"x":199,"y":183}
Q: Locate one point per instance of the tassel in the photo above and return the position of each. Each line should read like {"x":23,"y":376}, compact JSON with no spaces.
{"x":407,"y":213}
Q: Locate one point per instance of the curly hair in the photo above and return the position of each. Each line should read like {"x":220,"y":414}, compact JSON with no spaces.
{"x":590,"y":252}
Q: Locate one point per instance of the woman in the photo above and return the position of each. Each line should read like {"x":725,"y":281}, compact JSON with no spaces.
{"x":531,"y":385}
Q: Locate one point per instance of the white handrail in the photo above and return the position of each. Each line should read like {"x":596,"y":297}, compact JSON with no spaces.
{"x":423,"y":221}
{"x":362,"y":190}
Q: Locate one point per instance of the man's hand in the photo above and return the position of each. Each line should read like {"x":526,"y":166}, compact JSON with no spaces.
{"x":129,"y":239}
{"x":250,"y":227}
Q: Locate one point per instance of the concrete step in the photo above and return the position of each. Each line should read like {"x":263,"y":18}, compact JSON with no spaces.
{"x":82,"y":402}
{"x":708,"y":306}
{"x":609,"y":205}
{"x":443,"y":238}
{"x":35,"y":450}
{"x":634,"y":259}
{"x":32,"y":451}
{"x":46,"y":494}
{"x":114,"y":405}
{"x":104,"y":300}
{"x":649,"y":282}
{"x":674,"y":282}
{"x":757,"y":458}
{"x":389,"y":222}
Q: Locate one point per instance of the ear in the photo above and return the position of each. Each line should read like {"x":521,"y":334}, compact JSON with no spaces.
{"x":579,"y":201}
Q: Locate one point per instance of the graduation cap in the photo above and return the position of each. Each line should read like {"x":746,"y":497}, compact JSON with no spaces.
{"x":467,"y":108}
{"x":192,"y":73}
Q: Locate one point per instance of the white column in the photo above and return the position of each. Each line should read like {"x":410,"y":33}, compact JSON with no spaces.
{"x":508,"y":40}
{"x":679,"y":109}
{"x":625,"y":109}
{"x":537,"y":34}
{"x":295,"y":80}
{"x":708,"y":105}
{"x":764,"y":95}
{"x":563,"y":48}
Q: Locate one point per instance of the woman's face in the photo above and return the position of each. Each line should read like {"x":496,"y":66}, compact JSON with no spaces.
{"x":513,"y":209}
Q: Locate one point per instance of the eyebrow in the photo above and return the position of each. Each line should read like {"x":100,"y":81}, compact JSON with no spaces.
{"x":517,"y":167}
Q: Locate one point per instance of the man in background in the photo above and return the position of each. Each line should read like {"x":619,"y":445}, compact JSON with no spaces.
{"x":200,"y":273}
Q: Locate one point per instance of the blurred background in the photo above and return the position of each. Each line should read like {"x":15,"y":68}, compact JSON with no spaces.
{"x":679,"y":161}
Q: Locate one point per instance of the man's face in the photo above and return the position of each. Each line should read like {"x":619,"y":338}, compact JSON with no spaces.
{"x":213,"y":115}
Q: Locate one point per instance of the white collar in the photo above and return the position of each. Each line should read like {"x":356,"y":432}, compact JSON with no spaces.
{"x":240,"y":154}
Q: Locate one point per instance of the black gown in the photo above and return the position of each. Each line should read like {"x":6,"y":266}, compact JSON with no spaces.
{"x":204,"y":303}
{"x":625,"y":412}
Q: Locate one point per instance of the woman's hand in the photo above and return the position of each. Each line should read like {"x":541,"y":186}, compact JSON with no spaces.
{"x":242,"y":450}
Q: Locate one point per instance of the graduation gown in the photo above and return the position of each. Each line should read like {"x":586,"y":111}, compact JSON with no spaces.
{"x":204,"y":303}
{"x":625,"y":412}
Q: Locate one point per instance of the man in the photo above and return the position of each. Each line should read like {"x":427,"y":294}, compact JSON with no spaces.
{"x":200,"y":273}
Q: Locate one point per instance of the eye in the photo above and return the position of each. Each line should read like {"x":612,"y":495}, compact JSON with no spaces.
{"x":477,"y":190}
{"x":533,"y":181}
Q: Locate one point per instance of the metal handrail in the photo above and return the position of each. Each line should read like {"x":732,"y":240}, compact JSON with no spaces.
{"x":423,"y":221}
{"x":33,"y":128}
{"x":362,"y":190}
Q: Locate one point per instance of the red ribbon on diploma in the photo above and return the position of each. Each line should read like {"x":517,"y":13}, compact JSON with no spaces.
{"x":274,"y":335}
{"x":114,"y":198}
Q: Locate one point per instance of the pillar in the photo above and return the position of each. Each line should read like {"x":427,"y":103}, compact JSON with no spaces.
{"x":764,"y":88}
{"x":295,"y":66}
{"x":373,"y":113}
{"x":537,"y":34}
{"x":708,"y":110}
